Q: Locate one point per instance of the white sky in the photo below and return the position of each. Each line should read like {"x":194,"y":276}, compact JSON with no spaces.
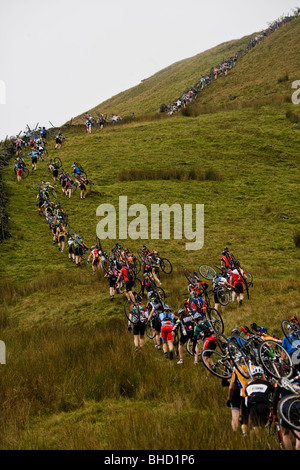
{"x":60,"y":58}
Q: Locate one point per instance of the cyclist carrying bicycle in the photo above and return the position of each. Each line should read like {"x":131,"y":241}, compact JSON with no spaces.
{"x":154,"y":309}
{"x":203,"y":330}
{"x":281,"y":392}
{"x":138,"y":309}
{"x":217,"y":282}
{"x":167,"y":319}
{"x":185,"y":324}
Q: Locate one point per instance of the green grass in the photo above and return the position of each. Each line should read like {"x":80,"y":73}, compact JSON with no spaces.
{"x":72,"y":378}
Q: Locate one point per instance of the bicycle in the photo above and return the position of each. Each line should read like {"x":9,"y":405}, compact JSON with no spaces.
{"x":255,"y":351}
{"x":289,"y":406}
{"x":291,"y":330}
{"x":24,"y":169}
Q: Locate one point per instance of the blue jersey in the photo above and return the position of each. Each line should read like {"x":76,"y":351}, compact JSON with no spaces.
{"x":167,"y":318}
{"x":292,"y":345}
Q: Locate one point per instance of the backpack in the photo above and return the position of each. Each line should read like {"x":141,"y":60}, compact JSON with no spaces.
{"x":130,"y":275}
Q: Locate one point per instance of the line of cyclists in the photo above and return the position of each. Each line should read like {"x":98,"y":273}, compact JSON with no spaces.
{"x":247,"y":358}
{"x":222,"y":68}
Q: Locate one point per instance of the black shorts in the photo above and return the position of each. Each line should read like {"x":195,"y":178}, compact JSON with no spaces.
{"x":34,"y":159}
{"x":259,"y":414}
{"x":239,"y":288}
{"x":236,"y":398}
{"x":78,"y":251}
{"x":156,"y":324}
{"x":128,"y":286}
{"x":185,"y":338}
{"x":112,"y":282}
{"x":55,"y":173}
{"x":58,"y":141}
{"x":139,"y":328}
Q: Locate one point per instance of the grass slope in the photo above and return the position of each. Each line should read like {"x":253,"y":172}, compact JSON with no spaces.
{"x":72,"y":379}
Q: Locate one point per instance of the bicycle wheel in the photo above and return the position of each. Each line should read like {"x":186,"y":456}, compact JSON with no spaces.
{"x":288,"y":328}
{"x":25,"y":173}
{"x":132,"y":311}
{"x":190,"y":276}
{"x":216,"y":320}
{"x":165,"y":265}
{"x":36,"y":186}
{"x":206,"y":271}
{"x":289,"y":411}
{"x":57,"y":162}
{"x":137,"y":286}
{"x":239,"y":359}
{"x":249,"y":280}
{"x":149,"y":330}
{"x":220,"y":367}
{"x":176,"y":343}
{"x":275,"y":360}
{"x":189,"y":347}
{"x":222,"y":343}
{"x":223,"y":295}
{"x":137,"y":266}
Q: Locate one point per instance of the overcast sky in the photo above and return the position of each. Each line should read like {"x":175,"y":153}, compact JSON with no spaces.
{"x":60,"y":58}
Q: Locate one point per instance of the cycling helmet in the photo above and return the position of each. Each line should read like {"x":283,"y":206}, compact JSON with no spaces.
{"x":166,"y":307}
{"x":197,"y":316}
{"x":138,"y":298}
{"x":181,"y":311}
{"x":235,"y":332}
{"x":257,"y":371}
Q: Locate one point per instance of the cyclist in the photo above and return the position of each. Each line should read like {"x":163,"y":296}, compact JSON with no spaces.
{"x":216,"y":283}
{"x":154,"y":309}
{"x":167,"y":319}
{"x":79,"y":247}
{"x":112,"y":275}
{"x":96,"y":259}
{"x":58,"y":141}
{"x":197,"y":303}
{"x":88,"y":125}
{"x":82,"y":185}
{"x":226,"y":260}
{"x":237,"y":279}
{"x":54,"y":224}
{"x":128,"y":279}
{"x":236,"y":400}
{"x":204,"y":330}
{"x":61,"y":236}
{"x":279,"y":393}
{"x":71,"y":250}
{"x":54,"y":170}
{"x":257,"y":398}
{"x":139,"y":327}
{"x":76,"y":171}
{"x":68,"y":187}
{"x":185,"y":324}
{"x":291,"y":343}
{"x":34,"y":158}
{"x":19,"y":165}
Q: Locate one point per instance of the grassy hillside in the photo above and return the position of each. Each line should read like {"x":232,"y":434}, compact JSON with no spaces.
{"x":167,"y":84}
{"x":72,"y":378}
{"x":266,"y":72}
